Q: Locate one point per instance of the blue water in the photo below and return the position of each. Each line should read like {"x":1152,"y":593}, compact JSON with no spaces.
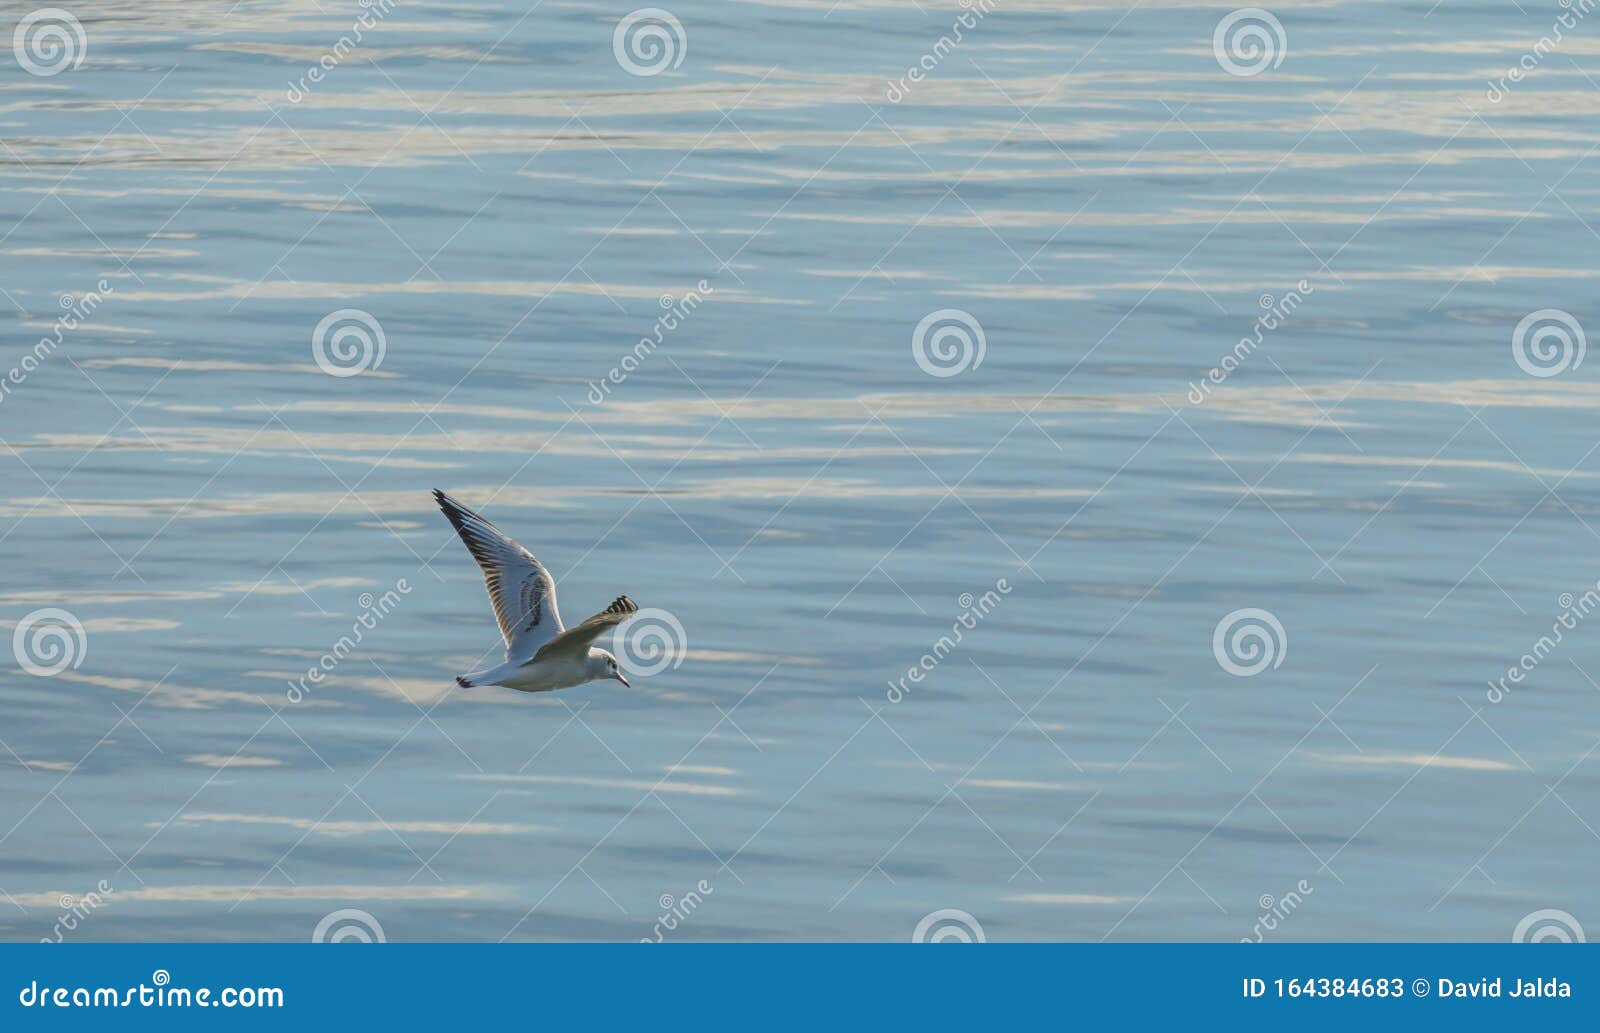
{"x":1085,"y":182}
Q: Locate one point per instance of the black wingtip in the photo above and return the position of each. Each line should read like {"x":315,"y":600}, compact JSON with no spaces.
{"x":452,"y":509}
{"x":622,"y":604}
{"x":463,"y":682}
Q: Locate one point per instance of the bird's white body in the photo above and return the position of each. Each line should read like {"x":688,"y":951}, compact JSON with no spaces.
{"x":541,"y":655}
{"x":547,"y":675}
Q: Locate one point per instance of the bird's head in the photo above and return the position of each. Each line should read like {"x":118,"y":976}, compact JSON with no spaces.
{"x":602,"y":665}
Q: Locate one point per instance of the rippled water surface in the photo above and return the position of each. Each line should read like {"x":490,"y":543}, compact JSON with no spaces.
{"x":813,"y":464}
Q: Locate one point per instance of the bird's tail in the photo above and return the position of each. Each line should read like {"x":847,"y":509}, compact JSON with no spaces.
{"x":487,"y":676}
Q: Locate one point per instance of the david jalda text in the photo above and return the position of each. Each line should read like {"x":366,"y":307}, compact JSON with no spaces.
{"x":1495,"y":987}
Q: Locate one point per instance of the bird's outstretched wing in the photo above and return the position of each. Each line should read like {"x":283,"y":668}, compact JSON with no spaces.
{"x":521,"y":590}
{"x":576,"y":640}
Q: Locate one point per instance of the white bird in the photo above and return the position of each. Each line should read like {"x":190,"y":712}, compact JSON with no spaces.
{"x":540,"y":655}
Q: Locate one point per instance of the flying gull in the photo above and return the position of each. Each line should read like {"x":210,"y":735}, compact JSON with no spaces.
{"x":541,"y":655}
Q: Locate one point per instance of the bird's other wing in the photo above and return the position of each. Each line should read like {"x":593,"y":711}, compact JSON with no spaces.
{"x":521,"y":590}
{"x":576,"y":640}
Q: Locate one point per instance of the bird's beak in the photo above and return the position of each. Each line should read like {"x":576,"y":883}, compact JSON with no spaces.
{"x":623,"y":680}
